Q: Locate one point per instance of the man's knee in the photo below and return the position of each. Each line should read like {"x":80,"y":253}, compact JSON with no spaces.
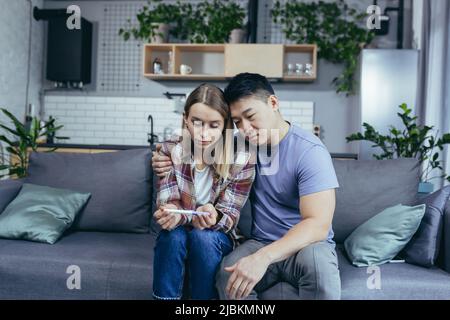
{"x":317,"y":268}
{"x":222,"y":275}
{"x":241,"y":251}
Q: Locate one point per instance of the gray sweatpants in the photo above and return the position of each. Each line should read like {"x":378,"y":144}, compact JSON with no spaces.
{"x":313,"y":270}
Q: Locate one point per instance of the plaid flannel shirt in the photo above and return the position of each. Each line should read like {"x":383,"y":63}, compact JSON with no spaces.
{"x":228,"y":197}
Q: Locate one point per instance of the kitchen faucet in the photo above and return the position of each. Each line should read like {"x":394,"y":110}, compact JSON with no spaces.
{"x":152,"y":138}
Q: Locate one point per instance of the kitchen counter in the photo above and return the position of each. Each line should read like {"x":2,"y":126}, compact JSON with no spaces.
{"x":350,"y":156}
{"x":91,"y":146}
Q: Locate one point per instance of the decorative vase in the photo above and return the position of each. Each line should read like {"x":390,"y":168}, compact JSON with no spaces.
{"x":237,"y":36}
{"x":162,"y":33}
{"x":426,"y":187}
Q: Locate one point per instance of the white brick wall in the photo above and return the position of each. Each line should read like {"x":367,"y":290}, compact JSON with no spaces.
{"x":123,"y":120}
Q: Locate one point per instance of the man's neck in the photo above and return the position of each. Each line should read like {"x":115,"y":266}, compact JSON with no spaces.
{"x":283,"y":129}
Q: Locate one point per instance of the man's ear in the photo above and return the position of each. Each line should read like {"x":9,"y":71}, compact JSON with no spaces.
{"x":273,"y":102}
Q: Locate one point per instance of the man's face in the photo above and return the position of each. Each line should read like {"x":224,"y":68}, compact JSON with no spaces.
{"x":255,"y":118}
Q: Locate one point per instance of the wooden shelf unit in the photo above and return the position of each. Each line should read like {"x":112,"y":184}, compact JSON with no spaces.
{"x":303,"y":53}
{"x":223,"y":61}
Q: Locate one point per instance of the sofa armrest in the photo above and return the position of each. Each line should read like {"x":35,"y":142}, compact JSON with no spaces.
{"x":8,"y":191}
{"x":446,"y":249}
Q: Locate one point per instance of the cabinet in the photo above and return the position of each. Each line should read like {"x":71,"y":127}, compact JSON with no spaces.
{"x":223,"y":61}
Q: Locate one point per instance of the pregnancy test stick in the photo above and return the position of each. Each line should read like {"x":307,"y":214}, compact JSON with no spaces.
{"x":198,"y":213}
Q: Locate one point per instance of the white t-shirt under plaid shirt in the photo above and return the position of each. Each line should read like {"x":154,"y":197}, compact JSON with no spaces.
{"x":203,"y":182}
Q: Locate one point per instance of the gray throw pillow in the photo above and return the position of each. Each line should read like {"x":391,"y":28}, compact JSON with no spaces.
{"x":41,"y":213}
{"x":380,"y":239}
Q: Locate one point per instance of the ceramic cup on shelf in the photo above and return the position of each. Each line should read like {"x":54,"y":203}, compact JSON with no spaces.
{"x":185,"y":69}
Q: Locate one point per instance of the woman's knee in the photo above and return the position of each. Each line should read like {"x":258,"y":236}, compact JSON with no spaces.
{"x":204,"y":239}
{"x":175,"y":238}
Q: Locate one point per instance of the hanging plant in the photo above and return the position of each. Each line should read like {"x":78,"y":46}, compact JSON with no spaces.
{"x":337,"y":29}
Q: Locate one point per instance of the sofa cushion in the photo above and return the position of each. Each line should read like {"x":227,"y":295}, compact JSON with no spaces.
{"x":423,"y":249}
{"x":120,"y":184}
{"x":102,"y":265}
{"x":399,"y":281}
{"x":369,"y":186}
{"x":41,"y":213}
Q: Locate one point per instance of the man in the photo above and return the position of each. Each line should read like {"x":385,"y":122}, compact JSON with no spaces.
{"x":292,"y":206}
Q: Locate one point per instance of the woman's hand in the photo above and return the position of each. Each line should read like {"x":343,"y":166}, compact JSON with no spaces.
{"x":161,"y":164}
{"x":206,"y":221}
{"x":165,"y":219}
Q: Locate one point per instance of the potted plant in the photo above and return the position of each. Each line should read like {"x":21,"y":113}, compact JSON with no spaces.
{"x":236,"y":15}
{"x":238,"y":34}
{"x":214,"y":21}
{"x":413,"y":141}
{"x":337,"y":29}
{"x":24,"y":139}
{"x":154,"y":22}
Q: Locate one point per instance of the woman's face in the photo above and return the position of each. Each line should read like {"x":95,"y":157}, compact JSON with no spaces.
{"x":205,"y":125}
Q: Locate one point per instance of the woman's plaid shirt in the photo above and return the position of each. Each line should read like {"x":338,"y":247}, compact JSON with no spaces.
{"x":228,"y":197}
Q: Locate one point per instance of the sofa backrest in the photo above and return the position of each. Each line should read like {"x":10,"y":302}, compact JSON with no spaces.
{"x":120,"y":184}
{"x":366,"y":187}
{"x":9,"y":190}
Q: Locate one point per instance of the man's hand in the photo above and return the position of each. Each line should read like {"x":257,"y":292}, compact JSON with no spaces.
{"x":165,"y":219}
{"x":161,"y":164}
{"x":206,"y":221}
{"x":246,"y":273}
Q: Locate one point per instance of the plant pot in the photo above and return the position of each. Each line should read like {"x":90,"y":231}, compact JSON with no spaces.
{"x":426,"y":187}
{"x":237,"y":36}
{"x":162,"y":33}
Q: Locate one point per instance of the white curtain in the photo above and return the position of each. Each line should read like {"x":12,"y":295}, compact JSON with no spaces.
{"x":434,"y":85}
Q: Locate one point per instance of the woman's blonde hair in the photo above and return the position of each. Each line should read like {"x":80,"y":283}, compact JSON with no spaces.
{"x":213,"y":97}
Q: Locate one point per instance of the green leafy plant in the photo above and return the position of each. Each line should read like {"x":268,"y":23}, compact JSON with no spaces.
{"x":212,"y":21}
{"x":411,"y":142}
{"x":22,"y":140}
{"x":206,"y":22}
{"x":153,"y":14}
{"x":335,"y":27}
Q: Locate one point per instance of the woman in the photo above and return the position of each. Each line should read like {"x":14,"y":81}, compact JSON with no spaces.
{"x":207,"y":176}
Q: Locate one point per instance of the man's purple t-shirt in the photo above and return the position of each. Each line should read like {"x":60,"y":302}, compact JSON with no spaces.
{"x":304,"y":167}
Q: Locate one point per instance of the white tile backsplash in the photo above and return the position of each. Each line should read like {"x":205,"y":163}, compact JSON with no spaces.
{"x":123,"y":120}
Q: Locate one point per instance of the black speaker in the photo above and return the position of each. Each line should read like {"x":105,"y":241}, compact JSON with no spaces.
{"x":69,"y":52}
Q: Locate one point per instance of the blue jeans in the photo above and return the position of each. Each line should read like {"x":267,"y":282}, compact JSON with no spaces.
{"x":201,"y":251}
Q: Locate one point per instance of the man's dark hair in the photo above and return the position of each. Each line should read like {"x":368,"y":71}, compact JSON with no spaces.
{"x":246,"y":85}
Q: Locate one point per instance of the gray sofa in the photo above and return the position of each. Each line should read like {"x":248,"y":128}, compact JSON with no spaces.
{"x":111,"y":241}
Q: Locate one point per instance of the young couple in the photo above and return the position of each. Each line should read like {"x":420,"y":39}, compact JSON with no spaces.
{"x":292,"y":206}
